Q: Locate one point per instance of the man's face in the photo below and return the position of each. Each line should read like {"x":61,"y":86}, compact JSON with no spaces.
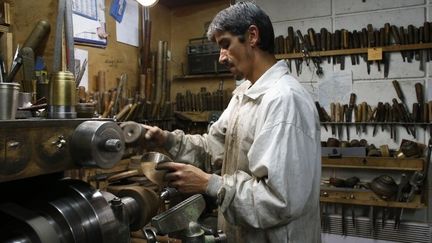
{"x":234,"y":54}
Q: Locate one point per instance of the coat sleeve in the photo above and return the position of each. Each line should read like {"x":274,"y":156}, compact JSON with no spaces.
{"x":280,"y":184}
{"x":197,"y":149}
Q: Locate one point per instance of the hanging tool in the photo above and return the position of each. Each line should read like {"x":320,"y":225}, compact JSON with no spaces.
{"x":344,"y":226}
{"x":290,"y":45}
{"x":379,"y":117}
{"x":356,"y":44}
{"x":353,"y":217}
{"x":364,"y":116}
{"x":333,"y":118}
{"x":378,"y":43}
{"x":426,"y":39}
{"x":420,"y":99}
{"x":357,"y":116}
{"x":402,"y":99}
{"x":403,"y":184}
{"x":322,"y":116}
{"x":64,"y":19}
{"x":396,"y":38}
{"x":372,"y":222}
{"x":403,"y":36}
{"x":307,"y":47}
{"x":81,"y":72}
{"x":338,"y":116}
{"x":349,"y":112}
{"x":400,"y":114}
{"x":410,"y":40}
{"x":386,"y":55}
{"x":297,"y":61}
{"x":328,"y":44}
{"x":370,"y":42}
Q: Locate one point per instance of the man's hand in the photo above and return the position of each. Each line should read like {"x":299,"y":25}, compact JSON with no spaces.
{"x":186,"y":178}
{"x":156,"y":136}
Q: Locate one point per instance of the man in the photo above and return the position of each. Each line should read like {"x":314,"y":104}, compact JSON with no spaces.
{"x":268,"y":138}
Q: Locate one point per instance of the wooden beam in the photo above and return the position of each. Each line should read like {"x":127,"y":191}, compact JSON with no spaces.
{"x":376,"y":163}
{"x":364,"y":197}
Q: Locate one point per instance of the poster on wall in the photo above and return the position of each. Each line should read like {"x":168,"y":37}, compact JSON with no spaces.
{"x":127,"y":30}
{"x":89,"y":22}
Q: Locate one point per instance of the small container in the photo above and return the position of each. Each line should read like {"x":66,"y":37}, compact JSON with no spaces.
{"x":62,"y":96}
{"x":8,"y":100}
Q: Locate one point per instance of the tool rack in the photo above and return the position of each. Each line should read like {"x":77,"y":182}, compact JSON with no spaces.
{"x":392,"y":48}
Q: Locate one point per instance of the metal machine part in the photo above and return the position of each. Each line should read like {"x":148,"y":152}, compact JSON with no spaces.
{"x":182,"y":219}
{"x":62,"y":96}
{"x":178,"y":217}
{"x":74,"y":212}
{"x":142,"y":203}
{"x":97,"y":144}
{"x":384,"y":186}
{"x":133,"y":132}
{"x":16,"y":156}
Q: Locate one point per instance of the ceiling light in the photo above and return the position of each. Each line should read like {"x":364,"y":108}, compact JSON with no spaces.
{"x":147,"y":3}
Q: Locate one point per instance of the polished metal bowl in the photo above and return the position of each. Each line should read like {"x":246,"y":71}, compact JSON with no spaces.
{"x":149,"y":163}
{"x":155,"y":157}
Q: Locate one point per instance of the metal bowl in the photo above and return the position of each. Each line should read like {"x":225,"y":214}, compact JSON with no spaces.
{"x":155,"y":157}
{"x":384,"y":186}
{"x":149,"y":162}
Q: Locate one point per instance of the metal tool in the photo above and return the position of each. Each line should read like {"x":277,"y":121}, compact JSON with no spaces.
{"x":183,"y":218}
{"x":349,"y":112}
{"x":64,"y":22}
{"x":344,"y":226}
{"x":399,"y":198}
{"x":81,"y":72}
{"x":372,"y":222}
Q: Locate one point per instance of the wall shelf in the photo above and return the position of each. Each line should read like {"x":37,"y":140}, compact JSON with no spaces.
{"x":364,"y":197}
{"x":203,"y":76}
{"x":375,"y":163}
{"x":392,"y":48}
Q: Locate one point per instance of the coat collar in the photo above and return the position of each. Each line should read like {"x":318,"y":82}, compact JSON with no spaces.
{"x":267,"y":80}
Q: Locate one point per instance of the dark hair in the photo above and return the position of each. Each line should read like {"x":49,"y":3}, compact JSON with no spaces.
{"x":237,"y":19}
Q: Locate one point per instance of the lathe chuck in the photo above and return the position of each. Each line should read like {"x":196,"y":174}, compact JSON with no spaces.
{"x":97,"y":144}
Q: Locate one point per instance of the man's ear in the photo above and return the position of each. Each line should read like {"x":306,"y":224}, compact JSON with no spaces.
{"x":253,"y":35}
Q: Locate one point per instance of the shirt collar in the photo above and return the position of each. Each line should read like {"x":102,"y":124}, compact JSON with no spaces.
{"x":267,"y":80}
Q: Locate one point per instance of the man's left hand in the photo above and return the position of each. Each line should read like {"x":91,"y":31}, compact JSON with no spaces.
{"x":184,"y":177}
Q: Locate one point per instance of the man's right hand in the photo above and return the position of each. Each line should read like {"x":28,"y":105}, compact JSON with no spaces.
{"x":155,"y":136}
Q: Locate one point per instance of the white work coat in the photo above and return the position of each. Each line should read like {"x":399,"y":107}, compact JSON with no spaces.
{"x":269,"y":140}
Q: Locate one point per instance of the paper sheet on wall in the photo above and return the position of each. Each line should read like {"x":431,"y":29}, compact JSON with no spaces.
{"x":127,"y":30}
{"x":89,"y":21}
{"x":82,"y":55}
{"x":336,"y":87}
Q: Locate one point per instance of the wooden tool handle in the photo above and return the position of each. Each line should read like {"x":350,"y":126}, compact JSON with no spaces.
{"x":419,"y":93}
{"x":398,"y":89}
{"x":352,"y":100}
{"x":395,"y":33}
